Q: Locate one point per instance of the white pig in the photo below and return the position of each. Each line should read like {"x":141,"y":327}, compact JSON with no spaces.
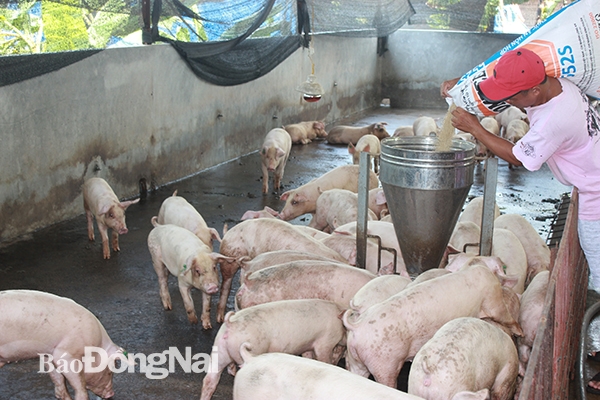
{"x":274,"y":155}
{"x":510,"y":114}
{"x":280,"y":376}
{"x":178,"y":211}
{"x":56,"y":329}
{"x":370,"y":144}
{"x":377,"y":290}
{"x":343,"y":134}
{"x":336,"y":207}
{"x":465,"y":237}
{"x":345,"y":244}
{"x":466,"y":354}
{"x":387,"y":334}
{"x":491,"y":125}
{"x":377,"y":202}
{"x":403,"y":131}
{"x":515,"y":130}
{"x":474,"y":209}
{"x":532,"y":305}
{"x":309,"y":279}
{"x":304,"y":132}
{"x":303,"y":199}
{"x":276,"y":257}
{"x":424,"y":126}
{"x":255,"y":236}
{"x":310,"y":327}
{"x":102,"y":204}
{"x":177,"y":250}
{"x":536,"y":249}
{"x":508,"y":248}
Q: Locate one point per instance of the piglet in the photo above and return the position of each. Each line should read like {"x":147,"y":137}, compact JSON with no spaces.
{"x":303,"y":199}
{"x":369,"y":144}
{"x":280,"y":376}
{"x":336,"y":207}
{"x":310,"y":327}
{"x":36,"y":324}
{"x":274,"y":155}
{"x":425,"y":126}
{"x":378,"y":202}
{"x":304,"y":132}
{"x":178,"y":211}
{"x":465,"y":354}
{"x":177,"y":250}
{"x":101,"y":203}
{"x":343,"y":134}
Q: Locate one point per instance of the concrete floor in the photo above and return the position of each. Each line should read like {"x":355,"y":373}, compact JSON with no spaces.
{"x":123,"y":291}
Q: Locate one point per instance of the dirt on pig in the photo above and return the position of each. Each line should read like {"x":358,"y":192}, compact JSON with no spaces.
{"x":123,"y":291}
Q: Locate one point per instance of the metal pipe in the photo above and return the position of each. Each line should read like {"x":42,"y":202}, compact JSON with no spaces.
{"x":363,"y":203}
{"x":489,"y":206}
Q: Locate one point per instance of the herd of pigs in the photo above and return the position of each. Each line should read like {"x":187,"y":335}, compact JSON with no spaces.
{"x":467,"y":325}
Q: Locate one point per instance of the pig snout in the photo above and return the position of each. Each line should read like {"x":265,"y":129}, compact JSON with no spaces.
{"x":211,"y":288}
{"x":123,"y":231}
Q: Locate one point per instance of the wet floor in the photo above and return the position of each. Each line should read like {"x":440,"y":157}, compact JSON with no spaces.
{"x":123,"y":291}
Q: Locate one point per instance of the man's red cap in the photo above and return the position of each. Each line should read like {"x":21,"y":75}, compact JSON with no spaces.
{"x":518,"y":69}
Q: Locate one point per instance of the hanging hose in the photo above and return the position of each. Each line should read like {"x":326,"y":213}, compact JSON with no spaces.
{"x":589,"y":315}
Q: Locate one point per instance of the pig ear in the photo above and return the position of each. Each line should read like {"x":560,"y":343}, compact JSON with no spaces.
{"x":217,"y":257}
{"x":508,"y":281}
{"x":271,"y":211}
{"x":280,"y":153}
{"x":125,"y":204}
{"x":105,"y":208}
{"x":284,"y":196}
{"x":351,"y":148}
{"x":367,"y":148}
{"x":120,"y":354}
{"x":215,"y":234}
{"x":386,"y":270}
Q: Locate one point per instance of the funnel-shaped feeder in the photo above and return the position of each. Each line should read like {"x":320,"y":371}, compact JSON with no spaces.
{"x":425,"y":191}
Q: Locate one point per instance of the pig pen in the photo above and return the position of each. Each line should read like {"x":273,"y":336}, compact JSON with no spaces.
{"x":123,"y":291}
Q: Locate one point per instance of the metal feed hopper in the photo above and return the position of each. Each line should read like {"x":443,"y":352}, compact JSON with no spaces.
{"x":425,"y":191}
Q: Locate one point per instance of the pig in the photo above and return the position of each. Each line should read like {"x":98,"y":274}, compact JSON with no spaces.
{"x":336,"y":282}
{"x":280,"y":376}
{"x":303,"y":199}
{"x":385,"y":231}
{"x":465,"y":354}
{"x":377,"y":290}
{"x":310,"y":327}
{"x":377,"y":202}
{"x":389,"y":333}
{"x":307,"y":230}
{"x":473,"y":211}
{"x":509,"y":114}
{"x":536,"y":249}
{"x":266,"y":212}
{"x":178,"y":211}
{"x":403,"y":131}
{"x":36,"y":323}
{"x":345,"y":244}
{"x":276,"y":257}
{"x":101,"y":203}
{"x":336,"y":207}
{"x":274,"y":155}
{"x":508,"y":248}
{"x":370,"y":144}
{"x":462,"y":261}
{"x":343,"y":134}
{"x":515,"y":130}
{"x":429,"y":274}
{"x":255,"y":236}
{"x":424,"y":126}
{"x":532,"y":305}
{"x":177,"y":250}
{"x":465,"y":237}
{"x":491,"y":125}
{"x":304,"y":132}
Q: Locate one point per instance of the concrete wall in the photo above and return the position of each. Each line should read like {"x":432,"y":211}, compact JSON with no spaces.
{"x":418,"y":61}
{"x":140,"y":115}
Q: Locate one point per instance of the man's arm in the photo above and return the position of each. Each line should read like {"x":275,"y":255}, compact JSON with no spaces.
{"x":466,"y":122}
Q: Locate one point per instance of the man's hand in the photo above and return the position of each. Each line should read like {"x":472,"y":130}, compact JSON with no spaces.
{"x":446,"y":86}
{"x":464,"y":121}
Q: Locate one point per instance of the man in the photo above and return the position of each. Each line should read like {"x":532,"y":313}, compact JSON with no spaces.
{"x":564,"y":133}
